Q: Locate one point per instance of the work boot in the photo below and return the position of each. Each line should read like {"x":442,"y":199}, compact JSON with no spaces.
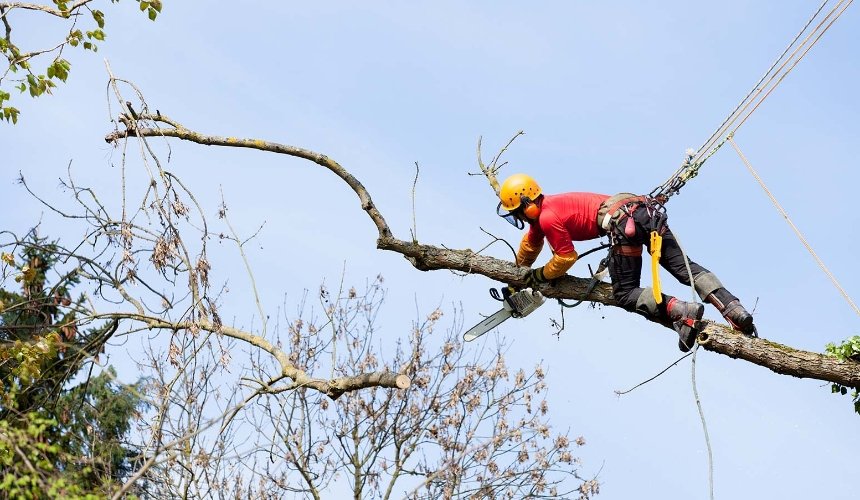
{"x":731,"y":309}
{"x":685,"y":318}
{"x":739,"y":318}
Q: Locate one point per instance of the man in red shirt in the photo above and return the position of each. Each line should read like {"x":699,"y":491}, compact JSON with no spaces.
{"x":629,"y":221}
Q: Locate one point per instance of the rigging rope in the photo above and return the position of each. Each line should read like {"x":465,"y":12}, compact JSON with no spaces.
{"x":759,"y":82}
{"x":796,"y":230}
{"x":695,"y":159}
{"x":842,"y":3}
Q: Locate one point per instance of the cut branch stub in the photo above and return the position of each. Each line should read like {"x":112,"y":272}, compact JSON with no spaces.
{"x":337,"y":387}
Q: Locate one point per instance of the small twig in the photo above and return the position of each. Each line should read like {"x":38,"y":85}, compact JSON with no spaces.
{"x":664,"y":370}
{"x":559,"y":327}
{"x":490,"y":171}
{"x":3,"y":13}
{"x":488,"y":245}
{"x":494,"y":164}
{"x":495,"y":239}
{"x":414,"y":224}
{"x":240,"y":246}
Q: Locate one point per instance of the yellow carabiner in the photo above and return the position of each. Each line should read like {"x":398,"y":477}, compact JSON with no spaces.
{"x":656,"y":248}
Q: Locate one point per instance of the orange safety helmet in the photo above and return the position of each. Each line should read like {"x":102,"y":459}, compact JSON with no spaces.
{"x":518,"y":189}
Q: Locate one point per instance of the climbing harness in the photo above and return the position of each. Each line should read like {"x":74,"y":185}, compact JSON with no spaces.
{"x":614,"y":208}
{"x":624,"y":205}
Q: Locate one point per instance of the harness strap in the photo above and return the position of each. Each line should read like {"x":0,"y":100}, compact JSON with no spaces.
{"x":628,"y":250}
{"x":609,"y":209}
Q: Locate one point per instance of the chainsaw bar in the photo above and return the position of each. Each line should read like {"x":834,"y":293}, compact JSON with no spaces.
{"x":518,"y":305}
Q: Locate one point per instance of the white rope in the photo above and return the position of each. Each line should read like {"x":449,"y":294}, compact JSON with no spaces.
{"x":693,"y":379}
{"x":717,"y":133}
{"x":704,"y":427}
{"x":844,"y":5}
{"x":757,"y":95}
{"x":794,"y":227}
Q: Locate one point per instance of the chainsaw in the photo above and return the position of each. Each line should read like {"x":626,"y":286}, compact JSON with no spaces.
{"x":514,"y":305}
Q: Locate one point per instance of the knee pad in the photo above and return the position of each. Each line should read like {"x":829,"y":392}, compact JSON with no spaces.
{"x":646,"y":304}
{"x":706,"y":284}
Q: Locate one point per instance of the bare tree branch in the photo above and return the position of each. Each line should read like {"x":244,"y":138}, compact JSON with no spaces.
{"x":45,"y":8}
{"x":715,"y":337}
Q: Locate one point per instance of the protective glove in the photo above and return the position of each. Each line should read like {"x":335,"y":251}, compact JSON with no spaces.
{"x":535,"y":277}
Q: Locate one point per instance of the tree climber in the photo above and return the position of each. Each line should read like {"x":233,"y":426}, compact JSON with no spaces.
{"x":628,"y":220}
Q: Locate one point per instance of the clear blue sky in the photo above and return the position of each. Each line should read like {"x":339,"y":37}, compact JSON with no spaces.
{"x":610,"y":94}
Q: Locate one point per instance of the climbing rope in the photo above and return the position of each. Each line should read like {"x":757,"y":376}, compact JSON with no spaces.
{"x":793,"y":226}
{"x":693,"y":378}
{"x":775,"y":74}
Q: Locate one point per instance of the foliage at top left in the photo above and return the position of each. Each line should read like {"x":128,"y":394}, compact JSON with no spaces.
{"x":37,"y":70}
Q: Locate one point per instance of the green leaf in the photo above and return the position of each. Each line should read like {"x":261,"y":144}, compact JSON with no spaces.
{"x":144,"y":6}
{"x":61,"y":68}
{"x":33,"y":85}
{"x":153,"y":14}
{"x":10,"y":114}
{"x":99,"y":17}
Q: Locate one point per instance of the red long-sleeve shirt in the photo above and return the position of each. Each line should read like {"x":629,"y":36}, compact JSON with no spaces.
{"x":564,"y":218}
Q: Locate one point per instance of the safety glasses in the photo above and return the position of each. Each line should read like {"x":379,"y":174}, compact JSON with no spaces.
{"x":509,"y":216}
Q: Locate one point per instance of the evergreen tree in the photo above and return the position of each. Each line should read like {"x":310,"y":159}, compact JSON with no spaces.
{"x":70,"y":424}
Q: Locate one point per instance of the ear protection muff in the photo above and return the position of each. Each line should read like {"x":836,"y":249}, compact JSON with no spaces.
{"x":530,"y":208}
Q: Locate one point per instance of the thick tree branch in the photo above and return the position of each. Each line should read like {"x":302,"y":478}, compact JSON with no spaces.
{"x":180,"y":132}
{"x":715,"y":337}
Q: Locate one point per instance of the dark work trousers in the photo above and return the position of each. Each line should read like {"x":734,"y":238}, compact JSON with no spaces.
{"x":625,"y":261}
